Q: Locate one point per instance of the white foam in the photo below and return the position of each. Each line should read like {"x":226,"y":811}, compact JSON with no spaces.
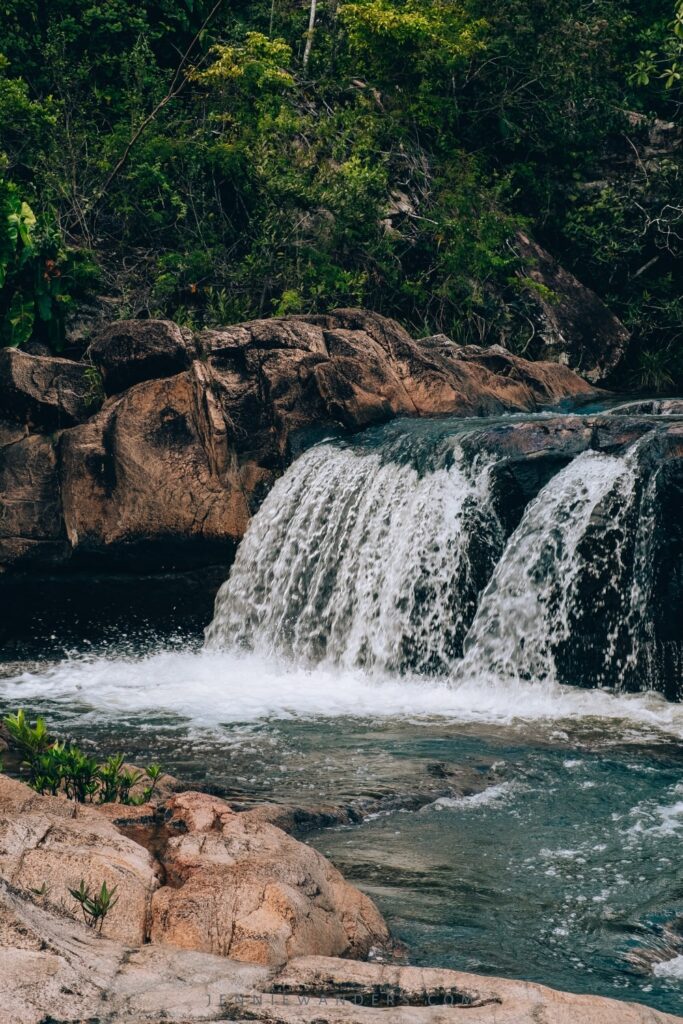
{"x":670,"y":968}
{"x":209,"y":687}
{"x":490,"y":795}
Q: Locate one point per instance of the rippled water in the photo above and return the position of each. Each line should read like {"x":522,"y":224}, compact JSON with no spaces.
{"x":562,"y":866}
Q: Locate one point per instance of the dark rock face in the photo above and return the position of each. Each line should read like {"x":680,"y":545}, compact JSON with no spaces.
{"x":650,"y":407}
{"x":131,"y":351}
{"x":43,"y":392}
{"x":31,"y":526}
{"x":667,"y":578}
{"x":574,"y":326}
{"x":529,"y":454}
{"x":620,"y":554}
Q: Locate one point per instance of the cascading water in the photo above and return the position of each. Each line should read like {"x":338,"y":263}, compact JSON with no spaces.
{"x":567,"y":584}
{"x":366,"y":557}
{"x":364,"y":561}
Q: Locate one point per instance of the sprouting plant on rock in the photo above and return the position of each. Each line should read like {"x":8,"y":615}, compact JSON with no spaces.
{"x":110,"y":777}
{"x":127,"y":781}
{"x":153,"y":773}
{"x":32,"y":741}
{"x":95,"y":907}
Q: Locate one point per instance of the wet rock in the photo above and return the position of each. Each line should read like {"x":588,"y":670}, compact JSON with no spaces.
{"x":650,"y":407}
{"x":243,"y":888}
{"x":131,"y":351}
{"x":416,"y":994}
{"x":48,"y":845}
{"x":573,"y":325}
{"x":666,"y":649}
{"x":43,"y":393}
{"x":639,"y":561}
{"x":528,"y":454}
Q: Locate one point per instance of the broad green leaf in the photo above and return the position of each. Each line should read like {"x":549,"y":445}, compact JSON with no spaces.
{"x":19,"y":320}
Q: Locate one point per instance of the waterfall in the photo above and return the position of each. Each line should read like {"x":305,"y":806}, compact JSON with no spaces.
{"x":364,"y":561}
{"x":561,"y":585}
{"x":367,"y":556}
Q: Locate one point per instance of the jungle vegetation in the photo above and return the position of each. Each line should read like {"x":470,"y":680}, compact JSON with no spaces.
{"x":213,"y":161}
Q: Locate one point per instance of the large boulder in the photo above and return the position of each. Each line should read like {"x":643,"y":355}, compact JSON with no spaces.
{"x":245,"y":889}
{"x":49,"y":845}
{"x":232,"y":885}
{"x":130,"y":351}
{"x":153,"y":477}
{"x":56,"y":969}
{"x":44,"y":393}
{"x":573,"y":325}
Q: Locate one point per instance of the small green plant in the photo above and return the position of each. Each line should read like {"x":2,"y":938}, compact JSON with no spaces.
{"x":153,"y":773}
{"x":653,"y":371}
{"x":54,"y":767}
{"x":47,"y":771}
{"x":110,"y":776}
{"x":95,"y":907}
{"x":94,"y":395}
{"x":32,"y":742}
{"x":31,"y":739}
{"x":127,"y":780}
{"x":79,"y":772}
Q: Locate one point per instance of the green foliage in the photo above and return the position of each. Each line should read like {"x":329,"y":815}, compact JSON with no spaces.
{"x":35,"y":268}
{"x":30,"y":739}
{"x":653,"y":371}
{"x":55,"y":767}
{"x":94,"y":395}
{"x":95,"y":906}
{"x":196,"y":169}
{"x":661,"y":61}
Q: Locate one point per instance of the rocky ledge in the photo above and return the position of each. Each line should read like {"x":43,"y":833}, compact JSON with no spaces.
{"x":221,"y":916}
{"x":155,"y":450}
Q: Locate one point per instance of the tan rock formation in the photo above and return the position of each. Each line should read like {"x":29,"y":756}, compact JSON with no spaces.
{"x":48,"y":845}
{"x":54,"y":968}
{"x":245,"y":889}
{"x":42,"y":391}
{"x":171,"y":468}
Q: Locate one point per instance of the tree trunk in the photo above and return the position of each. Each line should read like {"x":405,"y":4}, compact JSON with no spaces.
{"x":309,"y":34}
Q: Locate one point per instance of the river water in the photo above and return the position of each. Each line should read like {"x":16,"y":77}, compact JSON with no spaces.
{"x":382,"y":643}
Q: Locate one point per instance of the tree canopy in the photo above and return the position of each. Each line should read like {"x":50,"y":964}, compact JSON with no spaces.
{"x":216,"y":161}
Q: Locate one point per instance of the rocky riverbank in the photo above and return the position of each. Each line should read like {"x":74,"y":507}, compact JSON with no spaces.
{"x":220,"y":916}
